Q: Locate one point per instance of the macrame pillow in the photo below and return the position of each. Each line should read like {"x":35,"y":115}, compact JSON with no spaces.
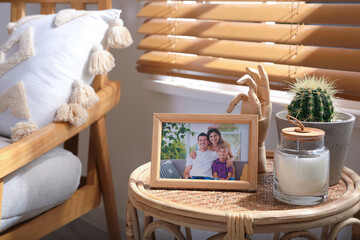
{"x":47,"y":64}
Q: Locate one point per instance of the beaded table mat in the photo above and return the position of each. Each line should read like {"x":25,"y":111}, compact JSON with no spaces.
{"x":262,"y":200}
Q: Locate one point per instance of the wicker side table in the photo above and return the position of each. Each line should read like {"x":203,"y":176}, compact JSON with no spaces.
{"x":233,"y":214}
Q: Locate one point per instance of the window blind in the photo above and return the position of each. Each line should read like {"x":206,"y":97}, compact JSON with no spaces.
{"x":216,"y":40}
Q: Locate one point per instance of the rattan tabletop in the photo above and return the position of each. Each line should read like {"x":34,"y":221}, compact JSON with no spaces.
{"x":262,"y":200}
{"x":212,"y":205}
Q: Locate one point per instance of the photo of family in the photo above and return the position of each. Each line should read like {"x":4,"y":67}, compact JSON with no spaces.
{"x":204,"y":151}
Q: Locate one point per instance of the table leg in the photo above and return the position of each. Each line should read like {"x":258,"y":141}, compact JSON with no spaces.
{"x":355,"y":232}
{"x":304,"y":234}
{"x":129,"y":226}
{"x":276,"y":236}
{"x":149,"y":230}
{"x":178,"y":228}
{"x":132,"y":223}
{"x":219,"y":236}
{"x":222,"y":236}
{"x":148,"y":220}
{"x":336,"y":229}
{"x":324,"y":232}
{"x":188,"y":233}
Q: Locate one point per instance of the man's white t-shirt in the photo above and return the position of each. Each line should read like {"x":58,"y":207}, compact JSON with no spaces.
{"x":201,"y":165}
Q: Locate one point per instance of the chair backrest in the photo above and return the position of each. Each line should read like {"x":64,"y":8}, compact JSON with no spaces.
{"x":48,"y":6}
{"x":22,"y":152}
{"x":18,"y":8}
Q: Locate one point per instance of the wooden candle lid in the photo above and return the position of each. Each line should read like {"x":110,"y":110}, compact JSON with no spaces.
{"x":301,"y":132}
{"x":311,"y":133}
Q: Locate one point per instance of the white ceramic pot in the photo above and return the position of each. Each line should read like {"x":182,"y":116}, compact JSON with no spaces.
{"x":337,"y":139}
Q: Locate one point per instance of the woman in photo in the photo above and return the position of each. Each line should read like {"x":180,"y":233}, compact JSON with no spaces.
{"x":215,"y":139}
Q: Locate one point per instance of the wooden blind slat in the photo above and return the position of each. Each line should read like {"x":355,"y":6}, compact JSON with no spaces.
{"x":282,"y":74}
{"x":347,"y":14}
{"x":320,"y":57}
{"x":331,"y":36}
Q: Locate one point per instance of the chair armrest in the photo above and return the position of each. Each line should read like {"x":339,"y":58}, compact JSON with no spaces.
{"x":30,"y":147}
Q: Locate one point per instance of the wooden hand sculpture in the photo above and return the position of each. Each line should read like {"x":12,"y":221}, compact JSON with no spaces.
{"x":256,"y":102}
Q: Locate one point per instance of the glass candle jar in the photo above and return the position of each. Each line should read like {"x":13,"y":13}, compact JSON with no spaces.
{"x":301,"y":166}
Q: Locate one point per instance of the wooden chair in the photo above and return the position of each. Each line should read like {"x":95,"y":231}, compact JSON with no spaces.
{"x":98,"y":181}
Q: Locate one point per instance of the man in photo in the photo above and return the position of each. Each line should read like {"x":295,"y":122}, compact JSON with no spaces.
{"x":200,"y":167}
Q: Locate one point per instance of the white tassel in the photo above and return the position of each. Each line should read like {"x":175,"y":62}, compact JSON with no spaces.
{"x":118,"y":35}
{"x":10,"y":27}
{"x":63,"y":113}
{"x":2,"y":57}
{"x":83,"y":94}
{"x":101,"y":61}
{"x":79,"y":115}
{"x":23,"y":129}
{"x":72,"y":113}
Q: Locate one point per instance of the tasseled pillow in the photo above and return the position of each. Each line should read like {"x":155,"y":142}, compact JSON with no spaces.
{"x":48,"y":63}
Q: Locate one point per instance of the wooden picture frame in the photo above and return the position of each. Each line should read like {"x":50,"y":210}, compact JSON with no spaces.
{"x":169,"y":126}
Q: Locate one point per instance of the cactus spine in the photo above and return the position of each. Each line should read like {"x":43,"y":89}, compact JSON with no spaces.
{"x":313,"y":99}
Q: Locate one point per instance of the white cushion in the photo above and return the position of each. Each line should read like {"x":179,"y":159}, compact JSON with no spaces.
{"x":51,"y":57}
{"x":38,"y":186}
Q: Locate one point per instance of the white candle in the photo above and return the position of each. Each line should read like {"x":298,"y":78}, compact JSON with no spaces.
{"x":301,"y":176}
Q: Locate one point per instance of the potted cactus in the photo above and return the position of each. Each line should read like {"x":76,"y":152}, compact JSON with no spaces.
{"x":313,"y":106}
{"x":313,"y":100}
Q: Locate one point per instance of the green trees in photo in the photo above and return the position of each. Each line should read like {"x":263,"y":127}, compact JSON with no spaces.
{"x":172,"y":141}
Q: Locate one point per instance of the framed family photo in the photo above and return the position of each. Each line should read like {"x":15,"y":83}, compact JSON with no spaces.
{"x":204,"y":151}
